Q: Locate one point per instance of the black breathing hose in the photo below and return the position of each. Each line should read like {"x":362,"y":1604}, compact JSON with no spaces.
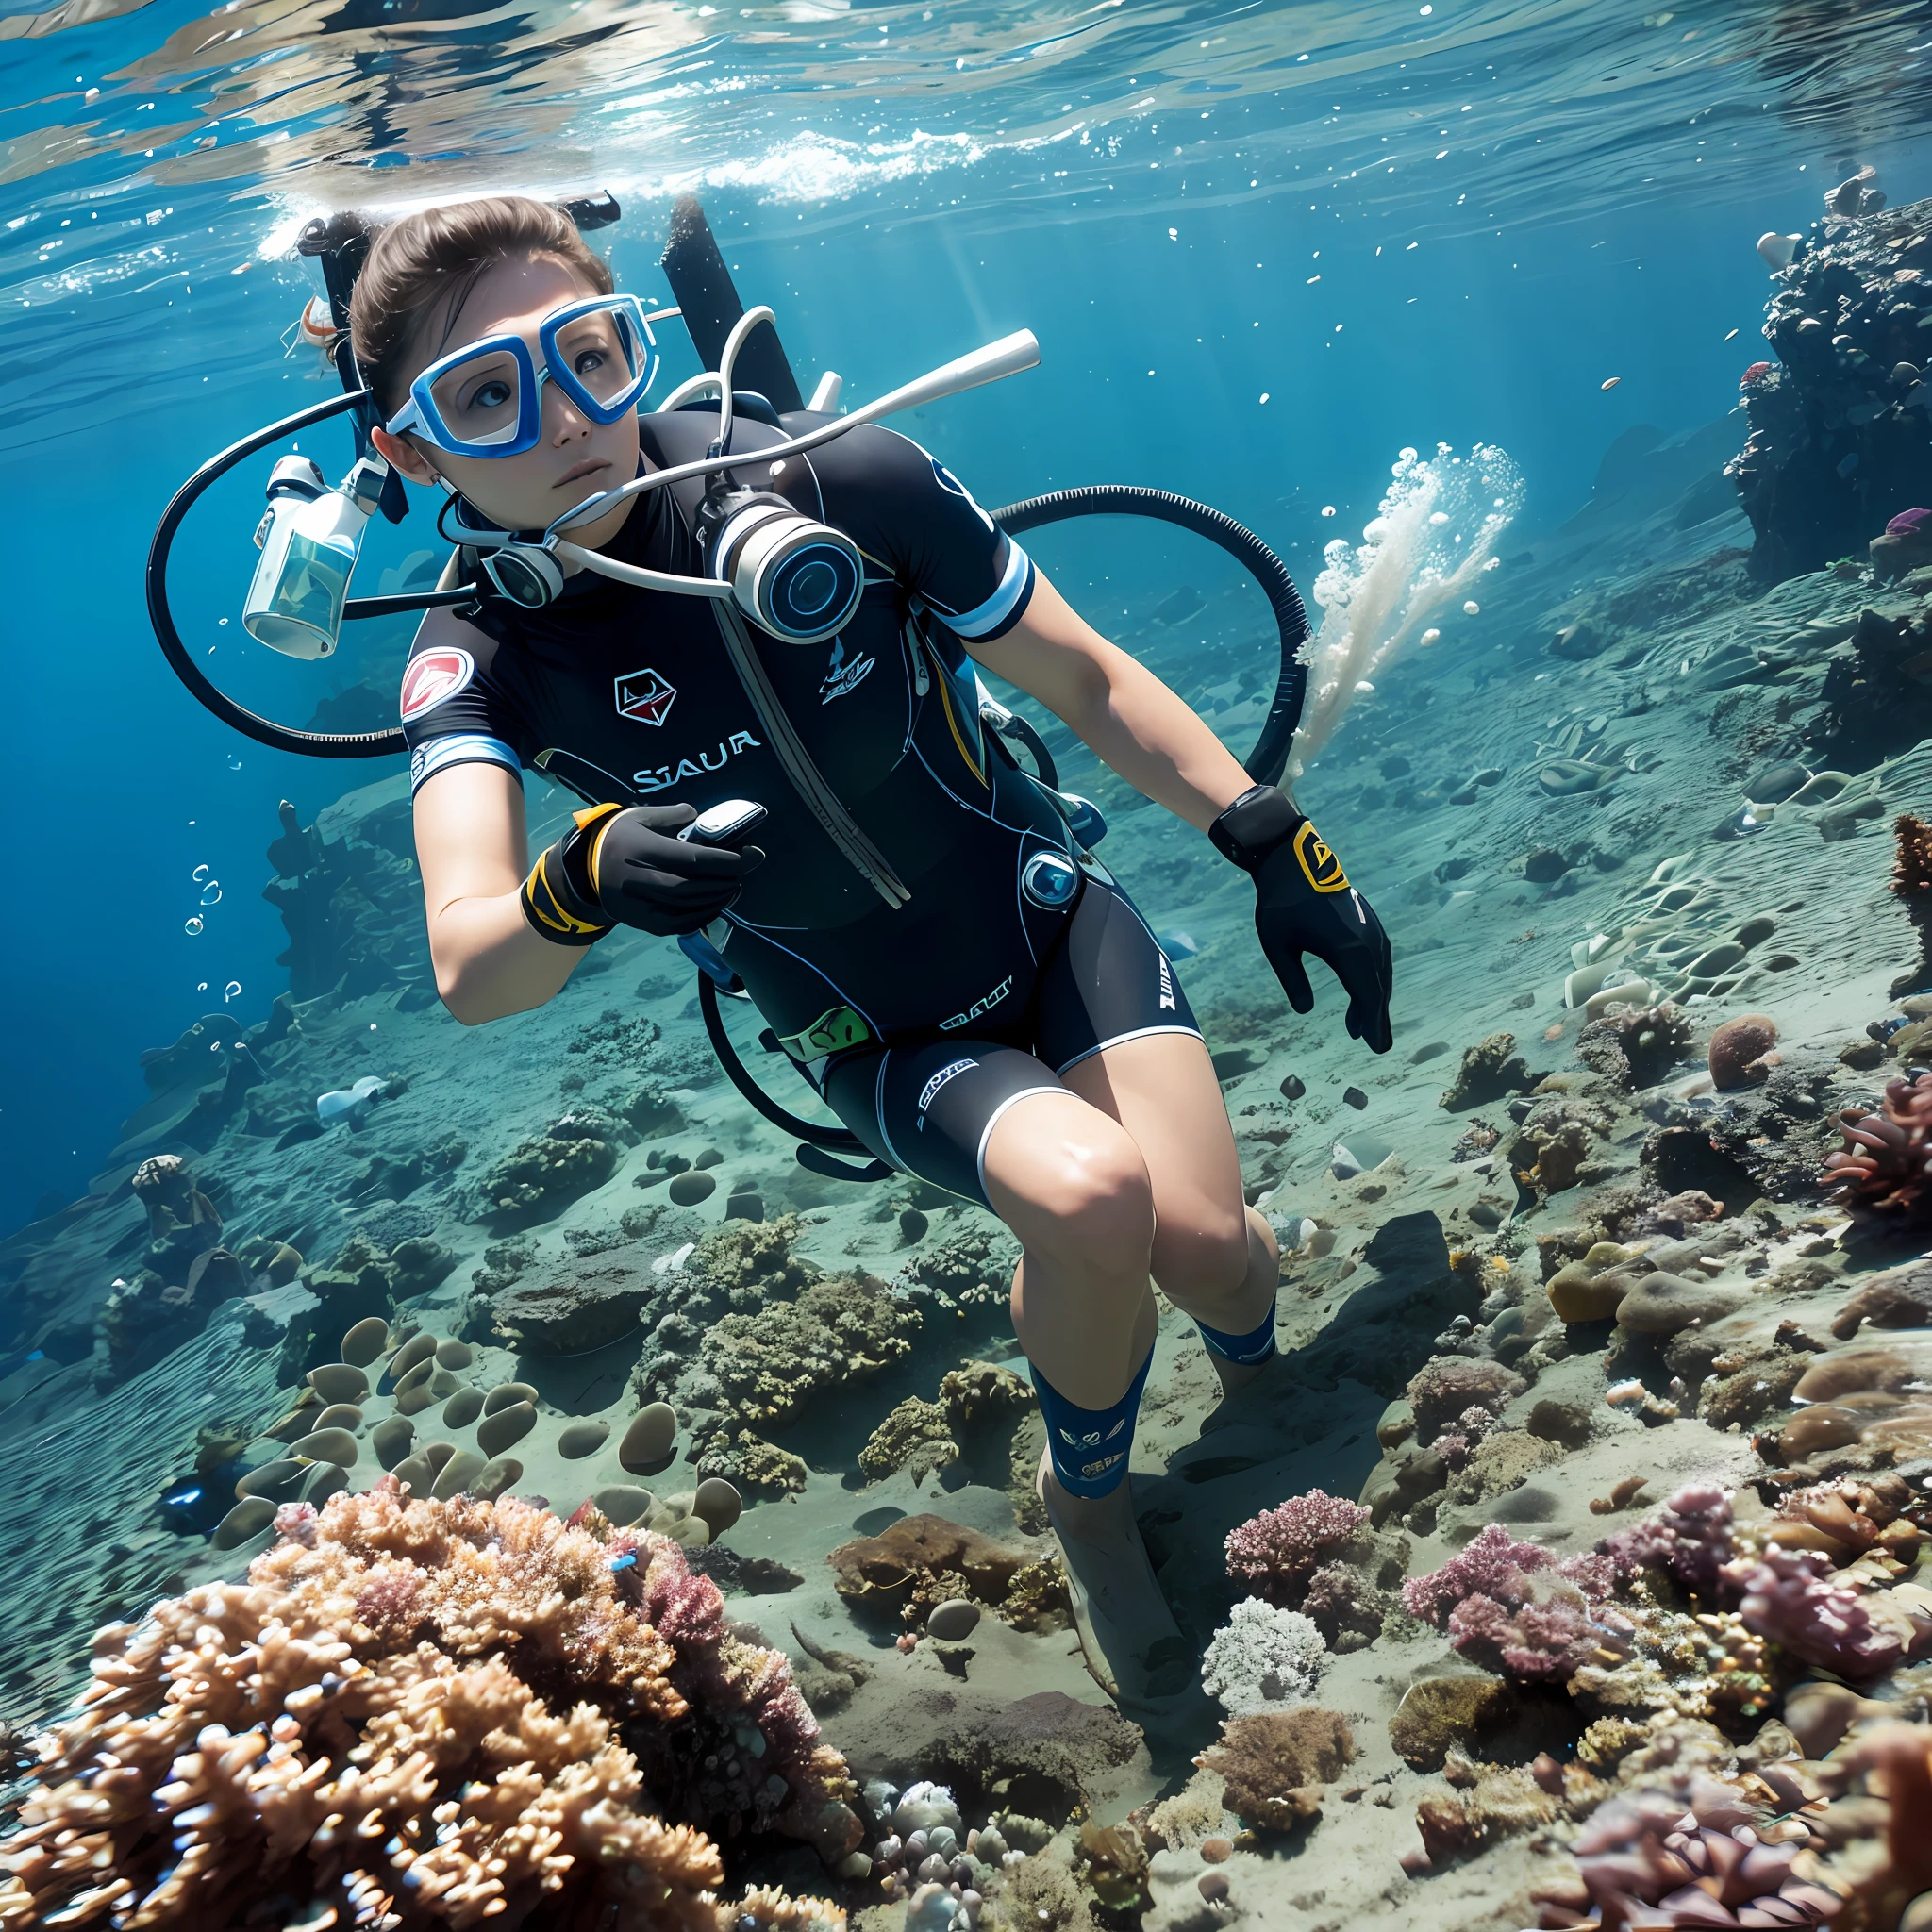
{"x":1269,"y":758}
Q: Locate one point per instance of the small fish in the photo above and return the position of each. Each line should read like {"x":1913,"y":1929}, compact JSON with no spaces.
{"x":13,"y":1363}
{"x":1612,"y":382}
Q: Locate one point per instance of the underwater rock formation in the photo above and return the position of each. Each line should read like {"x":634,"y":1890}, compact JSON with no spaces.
{"x":1911,"y":885}
{"x":1491,"y":1070}
{"x":535,"y":1720}
{"x":1635,"y":1046}
{"x":538,"y":1178}
{"x":353,"y":905}
{"x":1840,"y":441}
{"x":922,"y":1561}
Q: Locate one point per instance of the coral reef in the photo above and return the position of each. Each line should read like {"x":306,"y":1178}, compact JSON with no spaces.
{"x":149,"y":1317}
{"x":538,"y":1178}
{"x":1275,"y":1764}
{"x":1450,"y":1386}
{"x":1837,"y":447}
{"x":1884,"y":1171}
{"x":1512,"y":1606}
{"x":1911,"y":885}
{"x":520,"y":1715}
{"x":837,"y":1332}
{"x":922,"y":1561}
{"x":1276,"y":1552}
{"x":1263,"y":1658}
{"x":1491,"y":1070}
{"x":1635,"y":1046}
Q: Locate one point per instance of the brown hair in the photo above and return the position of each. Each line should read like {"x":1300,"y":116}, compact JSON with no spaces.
{"x":416,"y":261}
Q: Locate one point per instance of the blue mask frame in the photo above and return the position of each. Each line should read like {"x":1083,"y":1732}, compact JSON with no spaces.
{"x":421,"y":416}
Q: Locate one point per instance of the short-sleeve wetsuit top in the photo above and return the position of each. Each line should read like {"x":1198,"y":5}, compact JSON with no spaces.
{"x":920,"y":1024}
{"x":625,"y":693}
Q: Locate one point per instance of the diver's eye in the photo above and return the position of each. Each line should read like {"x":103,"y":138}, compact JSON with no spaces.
{"x":494,"y":394}
{"x":588,"y":361}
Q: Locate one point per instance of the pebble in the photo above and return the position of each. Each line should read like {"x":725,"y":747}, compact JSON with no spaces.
{"x":391,"y":1440}
{"x":499,"y":1474}
{"x":419,"y":1348}
{"x":1662,"y":1304}
{"x":953,"y":1620}
{"x":747,"y":1203}
{"x":248,"y":1517}
{"x":505,"y":1393}
{"x":365,"y":1342}
{"x":462,"y":1408}
{"x":1217,"y":1851}
{"x":719,"y":1503}
{"x":687,"y":1189}
{"x":329,"y":1445}
{"x":453,"y":1354}
{"x":1212,"y":1886}
{"x":339,"y":1382}
{"x":648,"y":1439}
{"x":581,"y":1440}
{"x":1292,"y":1088}
{"x":1355,"y":1097}
{"x":623,"y":1504}
{"x":457,"y":1473}
{"x":496,"y":1433}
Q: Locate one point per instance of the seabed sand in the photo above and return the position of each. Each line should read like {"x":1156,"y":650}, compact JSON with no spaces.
{"x":1674,"y":705}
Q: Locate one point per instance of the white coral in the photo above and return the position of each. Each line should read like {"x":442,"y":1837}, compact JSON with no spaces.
{"x":1263,"y":1659}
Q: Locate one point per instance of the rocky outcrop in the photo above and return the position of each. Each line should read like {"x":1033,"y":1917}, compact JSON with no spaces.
{"x":1840,"y":438}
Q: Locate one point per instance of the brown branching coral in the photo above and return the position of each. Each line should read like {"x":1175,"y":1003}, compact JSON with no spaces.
{"x":1883,"y":1169}
{"x":420,"y":1715}
{"x":1911,"y":883}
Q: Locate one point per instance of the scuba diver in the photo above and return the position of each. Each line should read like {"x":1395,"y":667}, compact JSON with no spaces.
{"x":813,"y":804}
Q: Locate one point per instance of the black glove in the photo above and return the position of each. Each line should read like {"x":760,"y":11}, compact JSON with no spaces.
{"x":1305,"y":903}
{"x":621,"y":866}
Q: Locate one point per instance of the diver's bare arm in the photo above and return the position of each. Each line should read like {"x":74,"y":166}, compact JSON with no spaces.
{"x":1123,"y":713}
{"x":471,"y":844}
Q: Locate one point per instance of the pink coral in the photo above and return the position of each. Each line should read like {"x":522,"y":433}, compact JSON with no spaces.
{"x":1275,"y":1553}
{"x":1690,"y":1539}
{"x":1512,"y":1606}
{"x":1793,"y":1598}
{"x":1885,"y":1163}
{"x":1689,"y":1856}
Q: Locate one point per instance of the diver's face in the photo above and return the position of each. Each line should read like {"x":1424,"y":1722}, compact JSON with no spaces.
{"x":575,"y":458}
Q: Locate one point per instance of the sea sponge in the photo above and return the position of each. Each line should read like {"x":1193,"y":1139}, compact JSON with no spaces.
{"x":1635,"y":1046}
{"x":1276,"y":1552}
{"x":1263,"y":1658}
{"x":1882,"y":1172}
{"x":1737,"y":1050}
{"x":454,"y":1676}
{"x":1275,"y":1762}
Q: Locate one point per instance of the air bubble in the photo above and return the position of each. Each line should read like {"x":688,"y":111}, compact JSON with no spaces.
{"x":202,"y":988}
{"x":229,"y":991}
{"x":1472,"y":608}
{"x":200,"y":874}
{"x":193,"y":927}
{"x":234,"y":763}
{"x":211,"y":893}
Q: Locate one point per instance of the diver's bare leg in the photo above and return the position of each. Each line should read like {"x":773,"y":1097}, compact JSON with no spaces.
{"x":1070,"y":1182}
{"x":1215,"y":1258}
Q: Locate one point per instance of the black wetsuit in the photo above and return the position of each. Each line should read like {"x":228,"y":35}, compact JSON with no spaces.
{"x":918,"y":1024}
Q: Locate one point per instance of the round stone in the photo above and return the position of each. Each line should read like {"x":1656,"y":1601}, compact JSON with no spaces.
{"x":496,"y":1433}
{"x":953,"y":1620}
{"x":718,"y":1503}
{"x":365,"y":1342}
{"x":339,"y":1382}
{"x":648,"y":1441}
{"x":582,"y":1439}
{"x":687,"y":1189}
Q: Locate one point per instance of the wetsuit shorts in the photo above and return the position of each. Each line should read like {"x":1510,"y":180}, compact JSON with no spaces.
{"x":929,"y":1107}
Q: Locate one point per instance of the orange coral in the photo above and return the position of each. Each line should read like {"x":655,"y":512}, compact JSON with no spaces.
{"x":421,"y":1714}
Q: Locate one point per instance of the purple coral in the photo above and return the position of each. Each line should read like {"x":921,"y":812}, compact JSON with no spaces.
{"x":1512,"y":1606}
{"x":1276,"y":1552}
{"x":1793,"y":1598}
{"x":1689,"y":1538}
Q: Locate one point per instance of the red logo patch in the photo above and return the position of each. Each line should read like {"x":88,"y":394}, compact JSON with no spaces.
{"x":644,"y":695}
{"x":434,"y":675}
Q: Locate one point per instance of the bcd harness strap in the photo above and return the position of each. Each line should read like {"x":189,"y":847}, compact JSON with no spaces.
{"x":797,"y":763}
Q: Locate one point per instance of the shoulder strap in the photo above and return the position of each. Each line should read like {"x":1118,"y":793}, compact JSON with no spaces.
{"x":797,"y":762}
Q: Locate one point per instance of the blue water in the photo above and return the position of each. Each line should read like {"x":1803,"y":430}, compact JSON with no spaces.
{"x":1263,"y":248}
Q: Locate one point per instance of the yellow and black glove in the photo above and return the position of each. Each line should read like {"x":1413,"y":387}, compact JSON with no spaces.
{"x":622,"y":865}
{"x":1305,"y":903}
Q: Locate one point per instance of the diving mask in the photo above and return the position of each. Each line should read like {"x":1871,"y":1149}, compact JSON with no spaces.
{"x":486,"y":399}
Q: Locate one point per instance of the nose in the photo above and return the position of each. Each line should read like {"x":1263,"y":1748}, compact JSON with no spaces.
{"x":562,"y":419}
